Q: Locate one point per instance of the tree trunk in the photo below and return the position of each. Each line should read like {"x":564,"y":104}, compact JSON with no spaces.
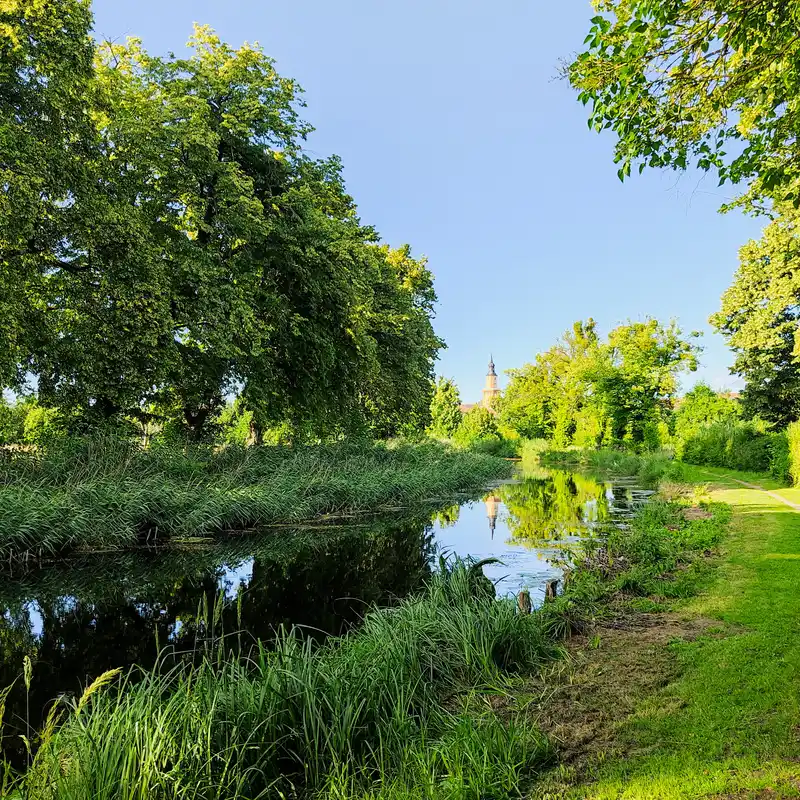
{"x":195,"y":419}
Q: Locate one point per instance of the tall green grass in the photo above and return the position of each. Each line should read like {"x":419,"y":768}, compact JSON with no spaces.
{"x":108,"y":493}
{"x":376,"y":711}
{"x":649,"y":468}
{"x":389,"y":711}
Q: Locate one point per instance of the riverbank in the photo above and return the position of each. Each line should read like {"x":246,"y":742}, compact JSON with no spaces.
{"x":109,"y":494}
{"x":423,"y":701}
{"x":697,"y":698}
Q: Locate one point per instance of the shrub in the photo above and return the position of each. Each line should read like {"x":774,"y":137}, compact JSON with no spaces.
{"x":780,"y":461}
{"x":735,"y":445}
{"x":477,"y":423}
{"x":793,"y":448}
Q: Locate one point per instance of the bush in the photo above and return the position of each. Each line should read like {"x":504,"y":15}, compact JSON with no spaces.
{"x":500,"y":448}
{"x":736,"y":445}
{"x":780,"y":462}
{"x":793,"y":452}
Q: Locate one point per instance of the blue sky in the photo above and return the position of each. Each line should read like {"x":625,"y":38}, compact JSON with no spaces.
{"x":457,"y":138}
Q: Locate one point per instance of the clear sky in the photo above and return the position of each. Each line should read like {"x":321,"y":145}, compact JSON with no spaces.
{"x":457,"y":138}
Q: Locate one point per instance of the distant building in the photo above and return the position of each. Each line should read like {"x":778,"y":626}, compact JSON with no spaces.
{"x":492,"y":504}
{"x":490,"y":391}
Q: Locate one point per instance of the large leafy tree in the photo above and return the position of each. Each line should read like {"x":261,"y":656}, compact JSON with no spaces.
{"x":588,"y":392}
{"x":635,"y":378}
{"x":760,"y":318}
{"x":445,"y":409}
{"x":545,"y":398}
{"x":402,"y":343}
{"x":45,"y":67}
{"x":703,"y":406}
{"x":166,"y":288}
{"x":715,"y":83}
{"x":203,"y":252}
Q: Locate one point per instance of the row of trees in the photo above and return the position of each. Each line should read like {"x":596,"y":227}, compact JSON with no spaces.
{"x":165,"y":242}
{"x":716,"y":86}
{"x":588,"y":392}
{"x":591,"y":392}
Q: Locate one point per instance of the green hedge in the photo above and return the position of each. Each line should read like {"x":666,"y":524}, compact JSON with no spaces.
{"x":746,"y":446}
{"x":736,"y":445}
{"x":792,"y":437}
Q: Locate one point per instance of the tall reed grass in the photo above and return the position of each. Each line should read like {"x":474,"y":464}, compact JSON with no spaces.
{"x":649,"y":468}
{"x":108,"y":493}
{"x":386,"y":712}
{"x":370,"y":713}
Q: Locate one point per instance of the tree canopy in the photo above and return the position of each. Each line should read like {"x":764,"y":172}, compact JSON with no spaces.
{"x":445,"y":409}
{"x":760,"y":318}
{"x":589,"y":392}
{"x":702,"y":406}
{"x":704,"y":82}
{"x":167,"y":242}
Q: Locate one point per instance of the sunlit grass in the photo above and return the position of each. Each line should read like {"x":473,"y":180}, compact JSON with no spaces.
{"x":109,"y":494}
{"x":373,"y":713}
{"x":729,"y":725}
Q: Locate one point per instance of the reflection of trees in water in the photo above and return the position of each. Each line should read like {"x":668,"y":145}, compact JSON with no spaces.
{"x":99,"y":613}
{"x":446,"y":517}
{"x":542,"y":511}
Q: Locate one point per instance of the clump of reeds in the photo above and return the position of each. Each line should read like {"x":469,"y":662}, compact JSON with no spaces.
{"x":108,"y":493}
{"x":372,"y":712}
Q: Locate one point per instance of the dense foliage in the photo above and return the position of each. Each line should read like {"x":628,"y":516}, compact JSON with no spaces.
{"x":759,"y":317}
{"x":699,"y":407}
{"x":715,"y":85}
{"x":166,"y":242}
{"x":445,"y":409}
{"x":588,"y":392}
{"x":698,"y":81}
{"x":736,"y":445}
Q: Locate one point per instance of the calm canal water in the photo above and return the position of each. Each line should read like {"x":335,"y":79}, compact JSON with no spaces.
{"x":86,"y":615}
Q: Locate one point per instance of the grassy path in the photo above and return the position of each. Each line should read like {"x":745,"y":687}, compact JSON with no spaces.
{"x":727,"y":722}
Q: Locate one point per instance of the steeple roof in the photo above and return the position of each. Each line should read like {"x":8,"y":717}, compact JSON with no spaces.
{"x":491,"y":367}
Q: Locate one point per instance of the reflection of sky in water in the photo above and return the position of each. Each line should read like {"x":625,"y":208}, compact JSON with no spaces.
{"x":234,"y":576}
{"x":35,"y":615}
{"x":527,"y":565}
{"x":522,"y":567}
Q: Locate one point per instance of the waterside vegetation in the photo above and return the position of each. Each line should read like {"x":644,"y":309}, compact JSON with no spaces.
{"x":106,"y":493}
{"x":391,"y":710}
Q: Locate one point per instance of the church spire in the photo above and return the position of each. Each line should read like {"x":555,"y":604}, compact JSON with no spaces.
{"x":490,"y":390}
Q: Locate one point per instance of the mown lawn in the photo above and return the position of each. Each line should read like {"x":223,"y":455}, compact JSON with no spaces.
{"x":729,"y":725}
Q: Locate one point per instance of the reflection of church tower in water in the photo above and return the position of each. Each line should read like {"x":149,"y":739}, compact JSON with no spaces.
{"x":490,"y":390}
{"x":492,"y":504}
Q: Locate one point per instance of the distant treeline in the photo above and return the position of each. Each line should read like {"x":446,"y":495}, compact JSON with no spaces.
{"x":622,"y":392}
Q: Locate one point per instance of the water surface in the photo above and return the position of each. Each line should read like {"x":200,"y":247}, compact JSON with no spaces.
{"x":84,"y":615}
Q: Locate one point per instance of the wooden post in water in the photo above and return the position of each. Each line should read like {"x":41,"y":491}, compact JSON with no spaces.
{"x":524,"y":602}
{"x":550,"y":589}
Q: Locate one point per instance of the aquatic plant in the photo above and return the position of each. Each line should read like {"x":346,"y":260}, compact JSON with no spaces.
{"x":108,"y":493}
{"x":372,"y":710}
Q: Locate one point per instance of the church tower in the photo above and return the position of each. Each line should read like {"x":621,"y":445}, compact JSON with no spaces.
{"x":490,"y":390}
{"x":492,"y":504}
